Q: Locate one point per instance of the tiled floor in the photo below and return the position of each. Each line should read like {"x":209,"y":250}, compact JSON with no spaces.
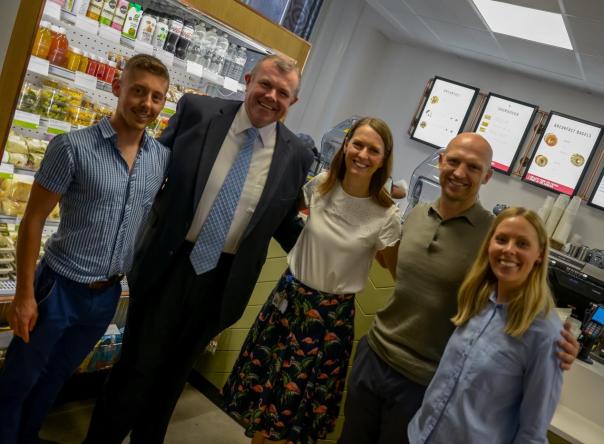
{"x":195,"y":420}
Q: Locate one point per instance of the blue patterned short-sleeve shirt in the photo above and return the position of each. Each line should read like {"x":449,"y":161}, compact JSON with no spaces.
{"x":103,"y":205}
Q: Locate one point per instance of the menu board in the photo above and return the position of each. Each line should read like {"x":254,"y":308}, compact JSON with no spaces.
{"x":505,"y":122}
{"x":563,"y":153}
{"x":444,"y":113}
{"x":597,"y":196}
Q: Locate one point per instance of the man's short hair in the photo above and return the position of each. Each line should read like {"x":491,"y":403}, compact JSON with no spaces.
{"x":147,"y":63}
{"x":284,"y":64}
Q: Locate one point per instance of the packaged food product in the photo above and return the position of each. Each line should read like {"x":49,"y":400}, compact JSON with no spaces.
{"x":83,"y":65}
{"x":34,"y":160}
{"x":161,"y":32}
{"x":146,"y":28}
{"x":43,"y":40}
{"x":110,"y":72}
{"x":94,"y":9}
{"x":107,"y":12}
{"x":9,"y":207}
{"x":16,"y":144}
{"x":102,"y":111}
{"x":17,"y":159}
{"x":73,"y":58}
{"x":36,"y":145}
{"x":6,"y":242}
{"x":28,"y":100}
{"x":7,"y":258}
{"x":19,"y":191}
{"x":80,"y":7}
{"x":121,"y":10}
{"x":133,"y":18}
{"x":93,"y":64}
{"x":101,"y":68}
{"x":72,"y":95}
{"x":79,"y":115}
{"x":53,"y":103}
{"x":59,"y":45}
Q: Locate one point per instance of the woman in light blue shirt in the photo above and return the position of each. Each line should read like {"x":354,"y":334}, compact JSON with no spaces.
{"x":499,"y":379}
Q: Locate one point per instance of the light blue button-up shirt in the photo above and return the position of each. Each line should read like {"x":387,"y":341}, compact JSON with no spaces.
{"x":103,"y":205}
{"x":490,"y":387}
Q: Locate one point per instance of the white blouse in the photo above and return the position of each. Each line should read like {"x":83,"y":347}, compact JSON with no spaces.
{"x":342,"y":234}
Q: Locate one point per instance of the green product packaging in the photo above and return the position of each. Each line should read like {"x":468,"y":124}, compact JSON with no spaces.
{"x":133,"y":18}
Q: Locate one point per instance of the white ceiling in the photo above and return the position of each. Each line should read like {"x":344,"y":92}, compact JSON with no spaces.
{"x":456,"y":26}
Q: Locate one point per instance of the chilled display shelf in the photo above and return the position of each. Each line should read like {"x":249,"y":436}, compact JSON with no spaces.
{"x":129,"y":47}
{"x":80,"y":80}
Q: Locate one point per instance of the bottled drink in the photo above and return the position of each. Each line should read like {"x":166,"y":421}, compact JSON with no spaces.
{"x":175,"y":26}
{"x":146,"y":29}
{"x":161,"y":32}
{"x":229,"y":60}
{"x":57,"y":55}
{"x":184,"y":41}
{"x":239,"y":64}
{"x":43,"y":40}
{"x":195,"y":51}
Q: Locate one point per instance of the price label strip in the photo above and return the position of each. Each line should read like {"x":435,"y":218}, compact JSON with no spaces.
{"x":7,"y":170}
{"x":231,"y":84}
{"x":166,"y":57}
{"x":112,"y":35}
{"x":195,"y":69}
{"x":87,"y":24}
{"x":58,"y":127}
{"x":169,"y":108}
{"x":38,"y":65}
{"x":143,"y":48}
{"x":85,"y":81}
{"x":26,"y":120}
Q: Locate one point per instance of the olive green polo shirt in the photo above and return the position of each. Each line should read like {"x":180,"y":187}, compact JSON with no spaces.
{"x":410,"y":333}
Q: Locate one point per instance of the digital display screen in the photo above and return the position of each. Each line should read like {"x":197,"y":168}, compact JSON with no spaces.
{"x":598,"y":316}
{"x":445,"y":112}
{"x":505,"y":123}
{"x":597,"y":196}
{"x":564,"y":150}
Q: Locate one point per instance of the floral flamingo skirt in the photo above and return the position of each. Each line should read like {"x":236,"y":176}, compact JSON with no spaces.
{"x":290,"y":374}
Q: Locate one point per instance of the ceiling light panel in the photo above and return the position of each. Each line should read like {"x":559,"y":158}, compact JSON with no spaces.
{"x":525,"y":23}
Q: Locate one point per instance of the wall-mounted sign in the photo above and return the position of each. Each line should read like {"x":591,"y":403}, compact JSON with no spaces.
{"x":505,"y":122}
{"x":444,"y":113}
{"x":597,"y":196}
{"x":563,"y":152}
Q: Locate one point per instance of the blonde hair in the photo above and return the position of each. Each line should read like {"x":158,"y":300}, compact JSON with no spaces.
{"x":284,"y":64}
{"x":337,"y":169}
{"x":533,"y":299}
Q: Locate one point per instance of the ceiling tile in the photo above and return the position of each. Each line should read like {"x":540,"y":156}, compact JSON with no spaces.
{"x":461,"y":12}
{"x":593,"y":68}
{"x":468,"y":38}
{"x":401,"y":17}
{"x":590,"y":9}
{"x":548,"y":58}
{"x":588,"y":35}
{"x":543,"y":5}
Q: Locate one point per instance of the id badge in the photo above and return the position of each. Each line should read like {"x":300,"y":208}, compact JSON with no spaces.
{"x":280,"y":302}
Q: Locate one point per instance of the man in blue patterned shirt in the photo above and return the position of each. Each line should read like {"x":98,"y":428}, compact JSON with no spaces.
{"x":105,"y":178}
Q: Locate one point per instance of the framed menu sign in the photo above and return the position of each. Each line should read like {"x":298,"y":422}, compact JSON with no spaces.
{"x":597,"y":195}
{"x":563,"y":152}
{"x":444,"y":113}
{"x":505,"y":122}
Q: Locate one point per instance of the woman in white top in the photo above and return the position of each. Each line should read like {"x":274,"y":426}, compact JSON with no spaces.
{"x":288,"y":380}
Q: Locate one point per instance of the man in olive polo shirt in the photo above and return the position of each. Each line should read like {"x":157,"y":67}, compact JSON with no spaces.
{"x":397,"y":359}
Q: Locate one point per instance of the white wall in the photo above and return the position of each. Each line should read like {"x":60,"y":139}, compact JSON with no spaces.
{"x":7,"y":21}
{"x":377,"y":76}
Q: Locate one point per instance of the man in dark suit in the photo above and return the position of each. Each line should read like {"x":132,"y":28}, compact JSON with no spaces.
{"x":201,"y":252}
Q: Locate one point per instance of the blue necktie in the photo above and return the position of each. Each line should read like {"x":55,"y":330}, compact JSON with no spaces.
{"x":210,"y":242}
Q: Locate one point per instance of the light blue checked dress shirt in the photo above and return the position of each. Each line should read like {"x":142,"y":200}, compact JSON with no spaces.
{"x":103,"y":205}
{"x":208,"y":246}
{"x":490,"y":387}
